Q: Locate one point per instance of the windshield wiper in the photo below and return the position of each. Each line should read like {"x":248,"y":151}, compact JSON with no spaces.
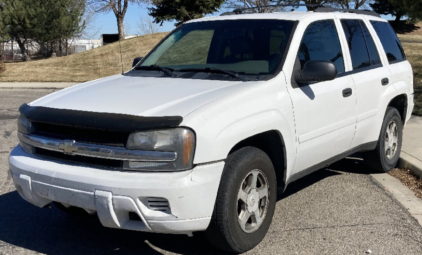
{"x":168,"y":71}
{"x":214,"y":70}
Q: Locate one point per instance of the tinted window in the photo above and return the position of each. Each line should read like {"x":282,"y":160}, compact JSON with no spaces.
{"x":372,"y":49}
{"x":321,"y":42}
{"x":249,"y":47}
{"x":389,"y":40}
{"x":357,"y":44}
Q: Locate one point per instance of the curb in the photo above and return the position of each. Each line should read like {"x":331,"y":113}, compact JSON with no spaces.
{"x":407,"y":161}
{"x":36,"y":85}
{"x":401,"y":194}
{"x":32,"y":88}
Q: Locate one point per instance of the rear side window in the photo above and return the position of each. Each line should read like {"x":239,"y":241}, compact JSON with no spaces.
{"x":357,"y":43}
{"x":361,"y":45}
{"x":372,"y":49}
{"x":390,"y":41}
{"x":321,"y":42}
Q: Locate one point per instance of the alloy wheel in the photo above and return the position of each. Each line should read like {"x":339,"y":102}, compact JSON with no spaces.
{"x":253,"y":201}
{"x":391,"y":140}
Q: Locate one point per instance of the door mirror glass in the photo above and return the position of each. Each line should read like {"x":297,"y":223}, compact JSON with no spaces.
{"x":136,"y":61}
{"x":315,"y":70}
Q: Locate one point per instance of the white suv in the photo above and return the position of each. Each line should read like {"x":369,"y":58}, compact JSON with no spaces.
{"x":225,"y":111}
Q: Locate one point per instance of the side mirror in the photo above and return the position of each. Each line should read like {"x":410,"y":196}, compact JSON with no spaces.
{"x":316,"y":70}
{"x":136,"y":61}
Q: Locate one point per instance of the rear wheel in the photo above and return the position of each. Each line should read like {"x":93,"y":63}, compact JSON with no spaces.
{"x":245,"y":201}
{"x":387,"y":153}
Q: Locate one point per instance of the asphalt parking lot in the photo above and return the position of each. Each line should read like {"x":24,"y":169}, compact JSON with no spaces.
{"x":338,"y":210}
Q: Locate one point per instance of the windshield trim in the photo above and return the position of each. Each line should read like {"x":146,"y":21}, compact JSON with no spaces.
{"x":265,"y":77}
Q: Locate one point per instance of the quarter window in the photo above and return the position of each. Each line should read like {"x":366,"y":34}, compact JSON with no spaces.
{"x":321,"y":42}
{"x":390,"y":41}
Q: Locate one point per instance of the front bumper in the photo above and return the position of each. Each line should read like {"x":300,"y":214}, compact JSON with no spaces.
{"x":114,"y":195}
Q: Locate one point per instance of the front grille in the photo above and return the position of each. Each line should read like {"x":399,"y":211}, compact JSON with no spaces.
{"x":96,"y":136}
{"x":158,"y":204}
{"x":80,"y":160}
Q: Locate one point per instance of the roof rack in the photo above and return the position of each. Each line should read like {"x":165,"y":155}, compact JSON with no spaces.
{"x":319,"y":8}
{"x":242,"y":10}
{"x":364,"y":12}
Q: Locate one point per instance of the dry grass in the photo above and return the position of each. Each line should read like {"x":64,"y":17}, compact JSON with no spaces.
{"x":413,"y":53}
{"x":2,"y":66}
{"x":410,"y":38}
{"x":409,"y":179}
{"x":85,"y":66}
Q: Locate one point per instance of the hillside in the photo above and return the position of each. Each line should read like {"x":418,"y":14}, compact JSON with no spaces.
{"x":85,"y":66}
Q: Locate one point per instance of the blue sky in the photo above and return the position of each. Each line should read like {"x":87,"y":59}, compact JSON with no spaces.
{"x":106,"y":23}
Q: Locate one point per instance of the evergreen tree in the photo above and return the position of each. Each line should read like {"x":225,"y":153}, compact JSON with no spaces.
{"x":413,"y":7}
{"x":41,"y":20}
{"x":386,"y":7}
{"x":399,"y":8}
{"x":60,"y":20}
{"x":182,"y":10}
{"x":19,"y":19}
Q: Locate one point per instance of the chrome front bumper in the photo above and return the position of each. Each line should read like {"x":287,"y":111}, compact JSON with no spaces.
{"x":113,"y":194}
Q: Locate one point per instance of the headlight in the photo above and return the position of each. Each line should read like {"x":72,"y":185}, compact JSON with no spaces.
{"x":179,"y":140}
{"x":24,"y":125}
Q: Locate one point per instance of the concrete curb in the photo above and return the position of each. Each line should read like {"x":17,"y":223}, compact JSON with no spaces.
{"x":36,"y":85}
{"x":407,"y":161}
{"x":401,"y":193}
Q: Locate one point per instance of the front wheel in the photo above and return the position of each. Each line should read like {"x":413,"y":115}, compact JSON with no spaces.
{"x":387,"y":153}
{"x":245,"y":201}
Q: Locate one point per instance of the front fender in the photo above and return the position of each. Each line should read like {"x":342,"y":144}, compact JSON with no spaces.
{"x":258,"y":108}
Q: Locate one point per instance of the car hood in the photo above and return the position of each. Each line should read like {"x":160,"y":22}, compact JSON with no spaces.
{"x":141,"y":96}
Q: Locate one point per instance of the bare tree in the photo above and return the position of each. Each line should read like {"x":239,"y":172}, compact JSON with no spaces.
{"x":147,"y":26}
{"x":351,"y":4}
{"x":91,"y":29}
{"x":119,"y":8}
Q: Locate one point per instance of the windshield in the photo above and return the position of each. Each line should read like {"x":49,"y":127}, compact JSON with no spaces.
{"x":246,"y":47}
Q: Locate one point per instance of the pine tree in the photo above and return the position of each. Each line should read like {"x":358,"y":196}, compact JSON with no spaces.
{"x":386,"y":7}
{"x":19,"y":19}
{"x":60,"y":20}
{"x":182,"y":10}
{"x":41,"y":20}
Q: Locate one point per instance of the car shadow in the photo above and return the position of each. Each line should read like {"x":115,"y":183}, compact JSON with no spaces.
{"x":51,"y":231}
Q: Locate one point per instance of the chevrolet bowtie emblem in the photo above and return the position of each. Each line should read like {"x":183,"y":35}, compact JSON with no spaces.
{"x":68,"y":147}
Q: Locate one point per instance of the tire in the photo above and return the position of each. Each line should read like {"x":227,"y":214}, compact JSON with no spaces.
{"x":73,"y":211}
{"x":384,"y":159}
{"x":226,"y":230}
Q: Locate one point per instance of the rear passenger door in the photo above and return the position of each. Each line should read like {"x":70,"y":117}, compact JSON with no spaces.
{"x":370,"y":76}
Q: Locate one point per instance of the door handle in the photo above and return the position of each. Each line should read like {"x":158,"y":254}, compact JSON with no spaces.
{"x":347,"y":92}
{"x":385,"y":81}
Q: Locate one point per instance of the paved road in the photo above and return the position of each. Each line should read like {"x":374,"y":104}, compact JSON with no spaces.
{"x":339,"y":210}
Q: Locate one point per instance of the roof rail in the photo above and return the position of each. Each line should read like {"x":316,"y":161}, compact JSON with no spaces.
{"x":319,"y":8}
{"x":364,"y":12}
{"x":242,"y":10}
